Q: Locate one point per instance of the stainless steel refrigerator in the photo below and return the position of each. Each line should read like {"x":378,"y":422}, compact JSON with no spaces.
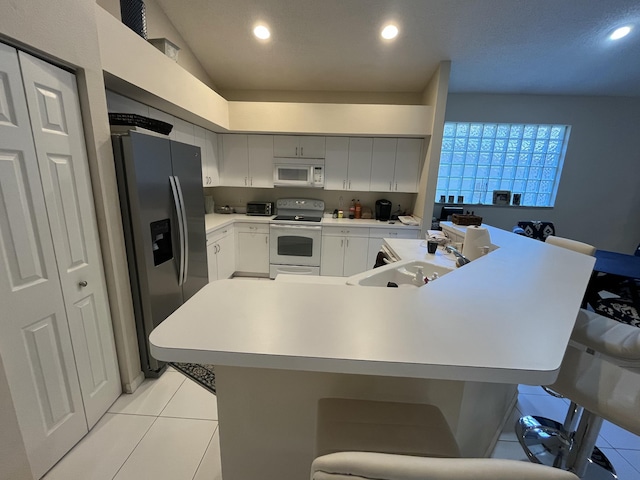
{"x":162,"y":204}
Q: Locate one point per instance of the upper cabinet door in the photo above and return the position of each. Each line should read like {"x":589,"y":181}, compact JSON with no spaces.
{"x":285,"y":146}
{"x":211,"y":149}
{"x":54,"y":109}
{"x":118,"y":104}
{"x":260,"y":161}
{"x":34,"y":334}
{"x":336,"y":163}
{"x":235,"y":161}
{"x":360,"y":152}
{"x":407,"y":165}
{"x":200,"y":140}
{"x":312,"y":147}
{"x":383,"y":164}
{"x":184,"y":132}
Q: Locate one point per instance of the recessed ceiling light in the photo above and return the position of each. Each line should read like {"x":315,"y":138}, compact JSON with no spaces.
{"x":618,"y":33}
{"x":389,"y":32}
{"x":261,"y":32}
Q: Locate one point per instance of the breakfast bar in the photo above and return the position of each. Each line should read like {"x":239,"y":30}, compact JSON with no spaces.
{"x":461,"y":343}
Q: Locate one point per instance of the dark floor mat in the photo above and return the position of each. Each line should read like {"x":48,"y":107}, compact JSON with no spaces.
{"x":203,"y":375}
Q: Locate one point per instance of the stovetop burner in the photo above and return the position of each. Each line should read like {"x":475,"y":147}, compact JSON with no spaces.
{"x":298,"y":218}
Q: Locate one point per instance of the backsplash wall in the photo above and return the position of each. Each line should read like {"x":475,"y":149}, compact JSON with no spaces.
{"x":334,"y":199}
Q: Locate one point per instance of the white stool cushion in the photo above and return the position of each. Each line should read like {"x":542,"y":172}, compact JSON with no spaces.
{"x":380,"y":466}
{"x":606,"y":389}
{"x":569,"y":244}
{"x":607,"y":336}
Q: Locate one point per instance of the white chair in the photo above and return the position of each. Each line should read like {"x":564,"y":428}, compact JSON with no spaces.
{"x":602,"y":375}
{"x":381,"y":466}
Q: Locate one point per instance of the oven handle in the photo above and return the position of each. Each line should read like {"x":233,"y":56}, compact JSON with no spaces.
{"x":299,"y":227}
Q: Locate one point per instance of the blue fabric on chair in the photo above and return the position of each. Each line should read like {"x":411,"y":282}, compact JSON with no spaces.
{"x":537,"y":229}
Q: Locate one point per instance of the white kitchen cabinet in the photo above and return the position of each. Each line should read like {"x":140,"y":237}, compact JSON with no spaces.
{"x":344,"y":251}
{"x":221,"y":256}
{"x":407,"y":170}
{"x":235,"y":161}
{"x":252,"y":248}
{"x":260,"y":171}
{"x":210,"y":160}
{"x":247,"y":160}
{"x":184,"y":131}
{"x":118,"y":104}
{"x":336,"y":163}
{"x":377,"y":236}
{"x":359,"y":174}
{"x":299,"y":146}
{"x":200,"y":140}
{"x":383,"y":164}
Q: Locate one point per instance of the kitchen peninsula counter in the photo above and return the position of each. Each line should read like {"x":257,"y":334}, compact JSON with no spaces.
{"x":460,"y":342}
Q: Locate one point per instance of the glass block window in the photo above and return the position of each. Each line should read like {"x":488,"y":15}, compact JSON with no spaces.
{"x":478,"y":158}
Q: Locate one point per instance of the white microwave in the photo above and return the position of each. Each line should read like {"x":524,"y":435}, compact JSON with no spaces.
{"x":296,"y":172}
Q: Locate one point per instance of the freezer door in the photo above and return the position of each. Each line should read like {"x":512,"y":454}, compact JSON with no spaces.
{"x":151,"y":233}
{"x":187,"y":169}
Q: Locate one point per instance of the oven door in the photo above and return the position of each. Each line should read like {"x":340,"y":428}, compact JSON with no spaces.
{"x":295,"y":244}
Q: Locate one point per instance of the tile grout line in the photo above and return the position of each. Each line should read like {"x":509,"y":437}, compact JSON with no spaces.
{"x":136,"y":446}
{"x":174,"y":394}
{"x":205,"y":452}
{"x":624,"y":458}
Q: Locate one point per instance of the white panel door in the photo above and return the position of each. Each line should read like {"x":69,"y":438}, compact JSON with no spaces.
{"x":34,"y":334}
{"x":336,"y":163}
{"x":407,"y":165}
{"x":235,"y":161}
{"x":260,"y":161}
{"x":360,"y":151}
{"x":57,"y":130}
{"x":383,"y":164}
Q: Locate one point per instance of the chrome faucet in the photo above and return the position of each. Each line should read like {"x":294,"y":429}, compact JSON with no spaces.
{"x":461,"y":259}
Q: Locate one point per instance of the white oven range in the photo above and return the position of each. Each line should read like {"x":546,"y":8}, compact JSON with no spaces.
{"x":296,"y":237}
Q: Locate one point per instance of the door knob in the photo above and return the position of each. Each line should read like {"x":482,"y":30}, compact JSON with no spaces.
{"x":83,"y":283}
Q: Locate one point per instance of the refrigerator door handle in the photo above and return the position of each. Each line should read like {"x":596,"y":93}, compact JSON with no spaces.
{"x":185,"y":229}
{"x":176,"y":202}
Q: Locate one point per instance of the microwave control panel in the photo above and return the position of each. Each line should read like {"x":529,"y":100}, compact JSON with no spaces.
{"x":317,"y":175}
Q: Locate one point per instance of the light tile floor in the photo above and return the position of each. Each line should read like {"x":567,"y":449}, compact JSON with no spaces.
{"x":168,"y":430}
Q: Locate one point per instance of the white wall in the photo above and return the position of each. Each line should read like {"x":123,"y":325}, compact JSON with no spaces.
{"x":599,"y":193}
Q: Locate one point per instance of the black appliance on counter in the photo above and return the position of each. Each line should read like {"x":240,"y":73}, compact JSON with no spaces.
{"x":260,"y":208}
{"x":383,"y":210}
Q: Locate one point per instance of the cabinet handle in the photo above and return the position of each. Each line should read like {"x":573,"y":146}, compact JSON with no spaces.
{"x":393,"y":233}
{"x":341,"y":242}
{"x":349,"y":184}
{"x":252,"y":182}
{"x":266,"y":240}
{"x":390,"y":186}
{"x":347,"y":243}
{"x":344,"y":184}
{"x":396,"y":186}
{"x":83,"y":283}
{"x":302,"y":151}
{"x":296,"y":151}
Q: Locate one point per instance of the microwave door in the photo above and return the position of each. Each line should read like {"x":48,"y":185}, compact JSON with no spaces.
{"x":293,"y":175}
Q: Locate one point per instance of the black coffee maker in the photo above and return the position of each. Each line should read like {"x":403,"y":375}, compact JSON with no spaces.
{"x":383,"y":210}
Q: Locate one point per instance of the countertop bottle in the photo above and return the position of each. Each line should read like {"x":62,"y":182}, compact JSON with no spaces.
{"x":358,"y":212}
{"x":352,"y":208}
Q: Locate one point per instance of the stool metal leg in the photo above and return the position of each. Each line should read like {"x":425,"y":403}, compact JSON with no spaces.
{"x":582,"y":459}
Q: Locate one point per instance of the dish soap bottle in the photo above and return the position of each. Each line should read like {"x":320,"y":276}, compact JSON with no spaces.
{"x":352,"y":208}
{"x":358,"y":212}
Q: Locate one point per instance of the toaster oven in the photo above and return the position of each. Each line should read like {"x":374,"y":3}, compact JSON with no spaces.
{"x":260,"y":208}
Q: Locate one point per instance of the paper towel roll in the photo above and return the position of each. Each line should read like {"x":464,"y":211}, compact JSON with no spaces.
{"x":475,"y":238}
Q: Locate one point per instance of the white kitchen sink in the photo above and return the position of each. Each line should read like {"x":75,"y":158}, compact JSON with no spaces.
{"x":400,"y":273}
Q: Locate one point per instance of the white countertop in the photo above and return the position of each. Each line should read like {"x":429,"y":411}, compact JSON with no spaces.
{"x":214,"y":221}
{"x":505,"y":317}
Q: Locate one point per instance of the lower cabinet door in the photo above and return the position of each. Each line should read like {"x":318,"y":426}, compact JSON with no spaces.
{"x":253,"y":253}
{"x":212,"y":261}
{"x":356,"y":254}
{"x":226,"y":257}
{"x":332,"y":258}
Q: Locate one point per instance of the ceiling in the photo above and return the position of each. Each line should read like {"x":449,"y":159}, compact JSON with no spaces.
{"x":495,"y":46}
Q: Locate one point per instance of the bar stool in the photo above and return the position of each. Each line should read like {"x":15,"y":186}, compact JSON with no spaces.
{"x":380,"y":466}
{"x":602,"y":375}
